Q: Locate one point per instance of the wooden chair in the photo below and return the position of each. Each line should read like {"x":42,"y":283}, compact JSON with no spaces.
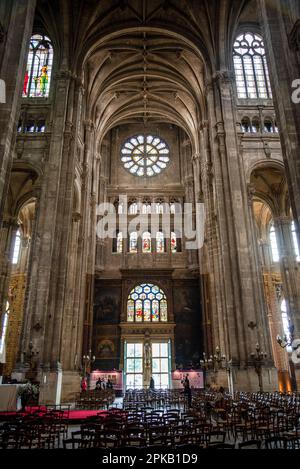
{"x":276,"y":443}
{"x":251,"y":444}
{"x":221,"y":446}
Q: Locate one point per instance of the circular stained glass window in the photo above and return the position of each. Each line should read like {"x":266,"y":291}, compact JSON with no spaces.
{"x":145,"y":155}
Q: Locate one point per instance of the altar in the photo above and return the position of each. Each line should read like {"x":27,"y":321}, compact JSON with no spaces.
{"x":195,"y":377}
{"x":9,"y":401}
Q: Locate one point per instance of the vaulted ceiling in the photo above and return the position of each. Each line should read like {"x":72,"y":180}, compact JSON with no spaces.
{"x":143,"y":59}
{"x":270,"y":186}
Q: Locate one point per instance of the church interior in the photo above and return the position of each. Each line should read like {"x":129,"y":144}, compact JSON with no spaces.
{"x":149,"y":223}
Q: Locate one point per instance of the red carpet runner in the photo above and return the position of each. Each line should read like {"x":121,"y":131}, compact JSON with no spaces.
{"x":72,"y":416}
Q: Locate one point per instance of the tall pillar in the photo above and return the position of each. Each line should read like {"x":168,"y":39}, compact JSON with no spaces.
{"x":209,"y":262}
{"x":289,"y":269}
{"x":240,"y":279}
{"x":275,"y":324}
{"x":290,"y":276}
{"x":49,"y":296}
{"x":16,"y":22}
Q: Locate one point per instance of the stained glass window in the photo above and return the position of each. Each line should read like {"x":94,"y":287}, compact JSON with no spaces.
{"x":3,"y":330}
{"x":139,"y":311}
{"x":163,"y":310}
{"x":295,"y":241}
{"x":173,"y":242}
{"x":17,"y":248}
{"x":274,"y":245}
{"x":133,"y":208}
{"x":147,"y":242}
{"x":133,"y":242}
{"x":285,"y":321}
{"x":39,"y":68}
{"x":130,"y":311}
{"x":160,"y":242}
{"x":147,"y":303}
{"x":251,"y":69}
{"x":120,"y":242}
{"x":145,"y":155}
{"x":160,"y":207}
{"x":120,"y":208}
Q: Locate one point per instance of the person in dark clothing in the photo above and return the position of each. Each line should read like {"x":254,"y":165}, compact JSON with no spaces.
{"x":188,"y":391}
{"x":98,"y":384}
{"x":152,"y":384}
{"x":109,"y":384}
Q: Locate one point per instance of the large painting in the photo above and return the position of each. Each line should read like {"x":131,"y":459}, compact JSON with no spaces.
{"x":106,"y":331}
{"x":107,"y":304}
{"x":188,"y":331}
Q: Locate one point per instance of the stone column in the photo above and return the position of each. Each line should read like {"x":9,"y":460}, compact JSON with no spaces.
{"x":16,"y":21}
{"x":275,"y":324}
{"x":281,"y":26}
{"x":239,"y":277}
{"x":290,"y":276}
{"x":209,"y":259}
{"x":289,"y":269}
{"x":257,"y":279}
{"x":48,"y":295}
{"x":7,"y":242}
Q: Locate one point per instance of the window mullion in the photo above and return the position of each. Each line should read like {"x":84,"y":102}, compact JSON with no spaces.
{"x":31,"y":72}
{"x":254,"y":76}
{"x":245,"y":76}
{"x":266,"y":76}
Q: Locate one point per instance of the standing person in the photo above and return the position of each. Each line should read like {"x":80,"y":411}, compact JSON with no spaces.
{"x":109,"y":384}
{"x":98,"y":384}
{"x":188,"y":391}
{"x":84,"y":384}
{"x":220,"y":399}
{"x":152,"y":384}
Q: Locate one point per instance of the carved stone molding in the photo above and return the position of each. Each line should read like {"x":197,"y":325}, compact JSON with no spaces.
{"x":220,"y":128}
{"x":147,"y":329}
{"x":223,"y":77}
{"x":203,"y":125}
{"x":196,"y":157}
{"x":64,"y":75}
{"x":76,"y":216}
{"x":251,"y":190}
{"x":89,"y":125}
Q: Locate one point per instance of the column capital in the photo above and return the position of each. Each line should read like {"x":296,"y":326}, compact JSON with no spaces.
{"x":251,"y":190}
{"x":203,"y":125}
{"x":220,"y":128}
{"x":223,"y":77}
{"x":9,"y":221}
{"x":64,"y":75}
{"x":89,"y":125}
{"x":283,"y":220}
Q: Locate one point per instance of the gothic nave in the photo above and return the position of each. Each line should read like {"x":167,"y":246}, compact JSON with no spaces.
{"x":126,"y":126}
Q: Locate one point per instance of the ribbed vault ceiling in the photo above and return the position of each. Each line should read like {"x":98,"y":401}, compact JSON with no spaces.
{"x":145,"y":76}
{"x":143,"y":59}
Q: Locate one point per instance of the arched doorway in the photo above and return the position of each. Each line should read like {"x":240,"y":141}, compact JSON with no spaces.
{"x":147,"y":338}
